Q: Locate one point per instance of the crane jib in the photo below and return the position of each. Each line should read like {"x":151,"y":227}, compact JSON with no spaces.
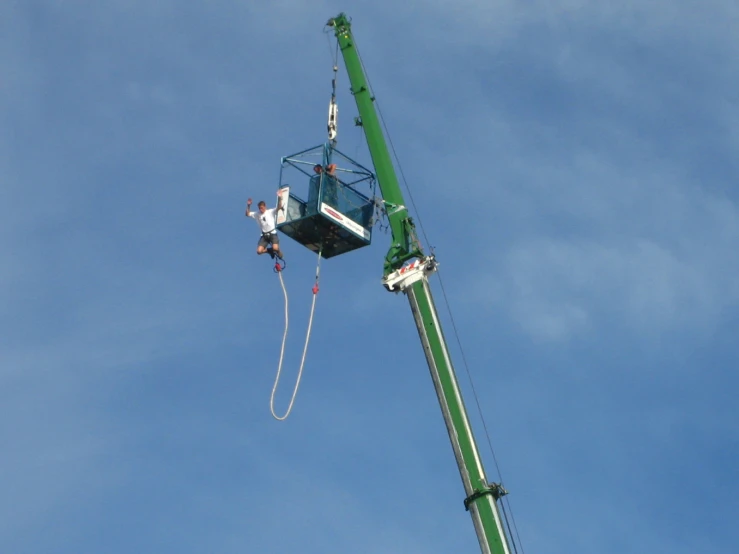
{"x":406,"y":271}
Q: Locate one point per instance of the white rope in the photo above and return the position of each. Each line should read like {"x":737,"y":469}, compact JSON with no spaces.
{"x":282,"y":349}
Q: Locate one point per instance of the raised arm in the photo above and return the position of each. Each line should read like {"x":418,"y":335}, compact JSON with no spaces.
{"x":248,"y":205}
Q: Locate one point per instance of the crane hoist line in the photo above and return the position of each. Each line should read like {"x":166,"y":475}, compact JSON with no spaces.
{"x":329,"y":207}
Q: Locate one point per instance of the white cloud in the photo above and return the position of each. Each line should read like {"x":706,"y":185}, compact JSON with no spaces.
{"x":555,"y":288}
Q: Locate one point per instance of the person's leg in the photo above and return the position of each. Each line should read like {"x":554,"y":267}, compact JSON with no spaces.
{"x":262,"y":245}
{"x":276,"y":246}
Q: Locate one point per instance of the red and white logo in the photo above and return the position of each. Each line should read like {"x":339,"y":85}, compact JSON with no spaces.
{"x":337,"y":215}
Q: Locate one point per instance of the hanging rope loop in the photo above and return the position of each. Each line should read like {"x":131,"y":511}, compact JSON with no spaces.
{"x":284,"y":340}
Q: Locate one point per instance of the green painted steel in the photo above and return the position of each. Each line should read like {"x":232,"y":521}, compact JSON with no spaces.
{"x":405,"y":243}
{"x":480,"y":495}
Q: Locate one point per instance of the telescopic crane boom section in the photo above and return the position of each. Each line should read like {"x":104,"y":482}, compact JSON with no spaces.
{"x":405,"y":243}
{"x":412,"y":280}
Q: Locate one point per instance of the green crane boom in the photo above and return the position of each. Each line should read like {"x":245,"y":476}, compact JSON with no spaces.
{"x":411,"y":278}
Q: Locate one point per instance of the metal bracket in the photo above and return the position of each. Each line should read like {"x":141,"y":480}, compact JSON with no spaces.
{"x":402,"y":278}
{"x":392,"y":208}
{"x":494,"y":489}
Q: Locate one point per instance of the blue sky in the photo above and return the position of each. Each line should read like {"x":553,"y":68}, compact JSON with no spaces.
{"x":573,"y":164}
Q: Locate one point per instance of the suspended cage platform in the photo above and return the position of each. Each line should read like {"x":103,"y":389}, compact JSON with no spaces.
{"x":324,"y":208}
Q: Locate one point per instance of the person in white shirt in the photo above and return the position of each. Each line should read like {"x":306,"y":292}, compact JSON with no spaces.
{"x":266,"y":218}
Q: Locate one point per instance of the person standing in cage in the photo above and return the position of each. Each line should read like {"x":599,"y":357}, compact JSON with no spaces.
{"x":329,"y":190}
{"x":267,"y":220}
{"x":330,"y":169}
